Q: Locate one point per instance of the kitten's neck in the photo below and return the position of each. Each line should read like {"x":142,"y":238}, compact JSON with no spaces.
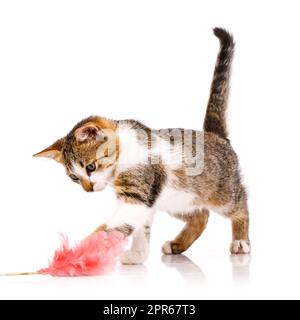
{"x":133,"y":150}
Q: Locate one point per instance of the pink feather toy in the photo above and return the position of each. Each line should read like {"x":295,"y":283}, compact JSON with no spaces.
{"x":94,"y":255}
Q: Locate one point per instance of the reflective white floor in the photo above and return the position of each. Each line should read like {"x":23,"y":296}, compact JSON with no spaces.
{"x":178,"y":272}
{"x":170,"y":277}
{"x":206,"y":271}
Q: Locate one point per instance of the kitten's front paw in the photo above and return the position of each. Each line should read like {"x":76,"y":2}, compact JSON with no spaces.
{"x":240,"y":247}
{"x":133,"y":257}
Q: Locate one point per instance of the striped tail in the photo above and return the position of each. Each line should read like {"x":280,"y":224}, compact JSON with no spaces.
{"x":215,"y":118}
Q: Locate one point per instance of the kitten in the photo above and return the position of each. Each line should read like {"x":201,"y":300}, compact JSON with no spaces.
{"x":183,"y":172}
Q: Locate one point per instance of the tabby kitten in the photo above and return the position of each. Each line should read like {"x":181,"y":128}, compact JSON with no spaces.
{"x":183,"y":172}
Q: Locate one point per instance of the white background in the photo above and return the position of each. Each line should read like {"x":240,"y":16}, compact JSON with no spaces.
{"x":61,"y":61}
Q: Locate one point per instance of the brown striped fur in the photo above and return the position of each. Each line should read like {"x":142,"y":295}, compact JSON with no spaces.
{"x":195,"y":224}
{"x":141,"y":184}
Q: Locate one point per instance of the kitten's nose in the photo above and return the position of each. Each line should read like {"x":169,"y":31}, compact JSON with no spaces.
{"x":87,"y":186}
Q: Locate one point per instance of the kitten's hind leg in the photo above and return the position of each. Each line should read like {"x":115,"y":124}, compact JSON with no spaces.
{"x":195,"y":225}
{"x":240,"y":230}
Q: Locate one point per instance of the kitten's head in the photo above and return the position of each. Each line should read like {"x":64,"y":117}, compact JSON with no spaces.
{"x":89,"y":153}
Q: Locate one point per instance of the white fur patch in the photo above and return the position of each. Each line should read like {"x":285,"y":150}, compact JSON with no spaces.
{"x":240,"y":247}
{"x":166,"y":248}
{"x":139,"y":250}
{"x":132,"y":214}
{"x":101,"y":178}
{"x":132,"y":153}
{"x":174,"y":201}
{"x":79,"y":171}
{"x":137,"y":216}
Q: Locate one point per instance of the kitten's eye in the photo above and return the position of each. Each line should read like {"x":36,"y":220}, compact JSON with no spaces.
{"x":91,"y":167}
{"x":73,"y":177}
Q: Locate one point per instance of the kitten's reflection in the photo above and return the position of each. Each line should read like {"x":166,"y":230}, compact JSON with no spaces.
{"x":137,"y":271}
{"x":240,"y":269}
{"x":190,"y":272}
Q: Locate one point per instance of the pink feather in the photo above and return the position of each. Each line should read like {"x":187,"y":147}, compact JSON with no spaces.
{"x":94,"y":255}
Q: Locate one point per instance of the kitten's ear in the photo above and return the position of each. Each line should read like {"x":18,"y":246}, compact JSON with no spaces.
{"x":89,"y":131}
{"x":53,"y":151}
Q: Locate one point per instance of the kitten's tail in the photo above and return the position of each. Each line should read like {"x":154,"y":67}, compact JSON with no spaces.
{"x":215,"y":118}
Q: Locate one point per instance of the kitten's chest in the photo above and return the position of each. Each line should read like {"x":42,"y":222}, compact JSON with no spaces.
{"x":175,"y":201}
